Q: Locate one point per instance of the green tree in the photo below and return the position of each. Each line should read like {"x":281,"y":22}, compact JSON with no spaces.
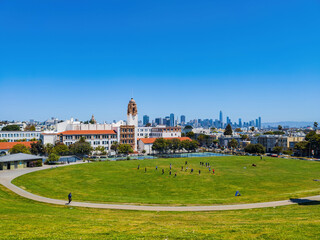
{"x":37,"y":148}
{"x":233,"y":143}
{"x":148,"y":125}
{"x":301,"y":147}
{"x":315,"y":124}
{"x":11,"y":128}
{"x":19,"y":148}
{"x":81,"y":148}
{"x":252,"y":129}
{"x":188,"y":127}
{"x":277,"y":149}
{"x":228,"y":130}
{"x":115,"y":146}
{"x":174,"y":144}
{"x":189,"y":145}
{"x":160,"y":145}
{"x":280,"y":128}
{"x":244,"y":137}
{"x":100,"y":150}
{"x":52,"y":158}
{"x":49,"y":148}
{"x":61,"y":149}
{"x":190,"y":134}
{"x":125,"y":149}
{"x":255,"y":148}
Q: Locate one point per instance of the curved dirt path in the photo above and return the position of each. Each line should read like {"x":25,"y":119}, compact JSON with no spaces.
{"x":7,"y":176}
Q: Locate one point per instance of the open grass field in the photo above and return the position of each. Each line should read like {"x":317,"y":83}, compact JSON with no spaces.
{"x":121,"y":182}
{"x":25,"y":219}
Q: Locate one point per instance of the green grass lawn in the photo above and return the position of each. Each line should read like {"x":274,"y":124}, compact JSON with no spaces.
{"x":121,"y":182}
{"x":25,"y":219}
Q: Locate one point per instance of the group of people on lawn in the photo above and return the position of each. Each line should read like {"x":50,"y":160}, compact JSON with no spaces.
{"x":183,"y":168}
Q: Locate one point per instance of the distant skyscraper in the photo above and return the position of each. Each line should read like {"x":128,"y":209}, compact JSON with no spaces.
{"x":171,"y":120}
{"x":145,"y":120}
{"x":240,"y":123}
{"x":183,"y":119}
{"x":228,"y":120}
{"x":158,"y":121}
{"x":221,"y":117}
{"x":260,"y":125}
{"x":257,"y":123}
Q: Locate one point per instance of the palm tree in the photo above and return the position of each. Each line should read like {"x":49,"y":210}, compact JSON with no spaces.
{"x":315,"y":124}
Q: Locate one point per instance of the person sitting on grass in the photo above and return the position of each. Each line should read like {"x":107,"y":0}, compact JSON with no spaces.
{"x":254,"y":165}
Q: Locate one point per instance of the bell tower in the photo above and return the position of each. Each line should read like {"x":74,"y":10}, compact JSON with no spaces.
{"x":132,"y":113}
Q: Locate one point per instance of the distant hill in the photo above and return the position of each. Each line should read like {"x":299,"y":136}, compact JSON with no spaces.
{"x":289,"y":124}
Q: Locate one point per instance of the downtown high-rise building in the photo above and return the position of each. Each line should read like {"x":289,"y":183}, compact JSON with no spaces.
{"x":183,"y":119}
{"x":240,"y":123}
{"x":260,"y":124}
{"x":171,"y":120}
{"x":221,"y":119}
{"x":145,"y":120}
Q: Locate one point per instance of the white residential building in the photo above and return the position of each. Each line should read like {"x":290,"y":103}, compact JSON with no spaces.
{"x":16,"y":136}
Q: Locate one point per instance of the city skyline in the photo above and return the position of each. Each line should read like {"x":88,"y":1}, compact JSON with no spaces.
{"x":248,"y":59}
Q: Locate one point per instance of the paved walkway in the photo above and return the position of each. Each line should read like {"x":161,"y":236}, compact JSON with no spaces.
{"x":7,"y":176}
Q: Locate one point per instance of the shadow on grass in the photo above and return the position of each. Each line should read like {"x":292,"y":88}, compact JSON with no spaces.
{"x":305,"y":201}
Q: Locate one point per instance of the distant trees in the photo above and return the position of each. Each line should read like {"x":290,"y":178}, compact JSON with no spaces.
{"x":244,"y":137}
{"x":61,"y":149}
{"x":125,"y":149}
{"x":162,"y":145}
{"x":114,"y":147}
{"x":277,"y":149}
{"x":255,"y":148}
{"x":81,"y":148}
{"x":252,"y":129}
{"x":190,"y":134}
{"x":11,"y":128}
{"x":100,"y":150}
{"x":52,"y":158}
{"x":238,"y":130}
{"x":30,"y":128}
{"x":228,"y":130}
{"x":301,"y":148}
{"x":19,"y":148}
{"x":233,"y":143}
{"x":37,"y":148}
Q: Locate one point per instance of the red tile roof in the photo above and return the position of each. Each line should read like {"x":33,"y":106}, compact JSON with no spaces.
{"x":151,"y":140}
{"x":9,"y":145}
{"x":87,"y":132}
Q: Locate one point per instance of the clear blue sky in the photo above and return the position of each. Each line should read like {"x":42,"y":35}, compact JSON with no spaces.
{"x":74,"y":58}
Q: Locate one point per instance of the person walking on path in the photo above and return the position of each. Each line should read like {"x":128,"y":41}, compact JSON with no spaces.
{"x":212,"y":170}
{"x":69,"y":198}
{"x":199,"y":172}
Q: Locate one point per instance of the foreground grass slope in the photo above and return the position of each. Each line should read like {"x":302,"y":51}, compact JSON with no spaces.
{"x":25,"y":219}
{"x":272,"y":179}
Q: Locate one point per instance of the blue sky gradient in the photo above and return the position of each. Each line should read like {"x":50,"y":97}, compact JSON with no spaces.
{"x":74,"y":58}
